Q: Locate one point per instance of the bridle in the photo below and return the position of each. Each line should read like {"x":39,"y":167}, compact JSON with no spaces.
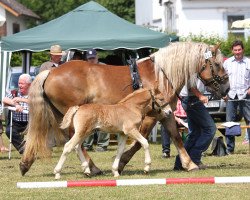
{"x":215,"y":79}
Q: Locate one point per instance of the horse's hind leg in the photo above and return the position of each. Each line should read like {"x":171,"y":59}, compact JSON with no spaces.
{"x":68,"y":147}
{"x":120,"y":150}
{"x":84,"y":162}
{"x":147,"y":126}
{"x":93,"y":168}
{"x":135,"y":134}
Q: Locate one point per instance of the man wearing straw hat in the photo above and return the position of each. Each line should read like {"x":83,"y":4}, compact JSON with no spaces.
{"x":56,"y":54}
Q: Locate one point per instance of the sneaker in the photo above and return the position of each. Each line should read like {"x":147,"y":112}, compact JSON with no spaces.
{"x":101,"y":149}
{"x":166,"y":155}
{"x":202,"y":166}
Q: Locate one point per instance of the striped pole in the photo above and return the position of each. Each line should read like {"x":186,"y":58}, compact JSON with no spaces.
{"x":130,"y":182}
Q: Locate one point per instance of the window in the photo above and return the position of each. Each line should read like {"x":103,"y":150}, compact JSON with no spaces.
{"x":238,"y":32}
{"x":16,"y":28}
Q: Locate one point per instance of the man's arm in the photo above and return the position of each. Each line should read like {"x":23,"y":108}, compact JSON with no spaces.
{"x":201,"y":97}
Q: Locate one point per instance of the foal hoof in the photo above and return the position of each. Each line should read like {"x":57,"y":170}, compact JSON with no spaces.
{"x":95,"y":172}
{"x":57,"y":176}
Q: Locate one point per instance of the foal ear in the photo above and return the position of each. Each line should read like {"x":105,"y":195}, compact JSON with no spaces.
{"x":156,"y":88}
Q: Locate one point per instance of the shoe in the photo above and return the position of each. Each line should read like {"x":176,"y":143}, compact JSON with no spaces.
{"x":101,"y":149}
{"x":166,"y":155}
{"x":245,"y":142}
{"x":89,"y":148}
{"x":178,"y":168}
{"x":202,"y":166}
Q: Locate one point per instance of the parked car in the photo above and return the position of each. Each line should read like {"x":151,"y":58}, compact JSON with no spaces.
{"x":12,"y":81}
{"x":217,"y":108}
{"x":14,"y":73}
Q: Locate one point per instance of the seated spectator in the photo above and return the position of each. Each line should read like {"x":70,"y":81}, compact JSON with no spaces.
{"x":19,"y":100}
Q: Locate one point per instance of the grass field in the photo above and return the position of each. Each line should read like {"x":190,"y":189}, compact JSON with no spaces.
{"x":42,"y":170}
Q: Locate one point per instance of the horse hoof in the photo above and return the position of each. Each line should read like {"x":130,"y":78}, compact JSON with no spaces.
{"x":23,"y":168}
{"x":192,"y":167}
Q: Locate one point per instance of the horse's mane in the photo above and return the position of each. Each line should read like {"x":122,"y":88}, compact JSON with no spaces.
{"x":180,"y":61}
{"x":131,"y":95}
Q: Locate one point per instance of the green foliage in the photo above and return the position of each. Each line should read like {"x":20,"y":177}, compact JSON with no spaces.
{"x":16,"y":59}
{"x":49,"y":10}
{"x":37,"y":58}
{"x":214,"y":39}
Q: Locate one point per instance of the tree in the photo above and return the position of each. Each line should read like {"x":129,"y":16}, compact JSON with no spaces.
{"x":49,"y":10}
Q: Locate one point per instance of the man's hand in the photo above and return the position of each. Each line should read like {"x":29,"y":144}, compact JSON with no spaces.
{"x":19,"y":108}
{"x":225,"y":98}
{"x":203,"y":99}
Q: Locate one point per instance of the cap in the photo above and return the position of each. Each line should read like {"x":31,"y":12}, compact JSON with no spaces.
{"x":91,"y":53}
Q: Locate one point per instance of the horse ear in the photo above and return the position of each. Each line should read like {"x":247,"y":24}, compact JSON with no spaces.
{"x":217,"y":46}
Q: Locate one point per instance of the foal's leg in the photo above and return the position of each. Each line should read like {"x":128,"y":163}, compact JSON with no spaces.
{"x":84,"y":162}
{"x":120,"y":150}
{"x":169,"y":124}
{"x":68,"y":147}
{"x":147,"y":126}
{"x":135,"y":134}
{"x":93,"y":168}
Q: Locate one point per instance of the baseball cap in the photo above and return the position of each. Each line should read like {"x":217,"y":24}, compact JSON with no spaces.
{"x":91,"y":53}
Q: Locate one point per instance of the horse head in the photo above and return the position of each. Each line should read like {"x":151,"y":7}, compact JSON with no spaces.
{"x":212,"y":73}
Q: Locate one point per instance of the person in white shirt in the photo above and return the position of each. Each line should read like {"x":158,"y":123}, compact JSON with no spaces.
{"x":238,"y":70}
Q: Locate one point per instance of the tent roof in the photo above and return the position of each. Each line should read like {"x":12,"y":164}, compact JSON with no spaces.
{"x":88,"y":26}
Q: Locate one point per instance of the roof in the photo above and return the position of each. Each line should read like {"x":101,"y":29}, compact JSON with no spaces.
{"x":17,"y":9}
{"x":88,"y":26}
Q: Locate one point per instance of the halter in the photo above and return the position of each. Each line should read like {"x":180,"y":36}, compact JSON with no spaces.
{"x":215,"y":80}
{"x":155,"y":105}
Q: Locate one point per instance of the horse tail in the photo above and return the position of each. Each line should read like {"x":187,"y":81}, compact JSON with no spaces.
{"x":41,"y":119}
{"x":67,"y":119}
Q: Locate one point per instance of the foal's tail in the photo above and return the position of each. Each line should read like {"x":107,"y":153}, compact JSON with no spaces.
{"x":67,"y":119}
{"x":41,"y":120}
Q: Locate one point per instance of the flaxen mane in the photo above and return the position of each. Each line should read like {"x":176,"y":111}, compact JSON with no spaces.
{"x":180,"y":61}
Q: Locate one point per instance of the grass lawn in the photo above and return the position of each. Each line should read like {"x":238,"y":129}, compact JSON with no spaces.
{"x":42,"y":170}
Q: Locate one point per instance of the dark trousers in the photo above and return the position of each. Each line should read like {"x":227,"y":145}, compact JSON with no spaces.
{"x":165,"y":140}
{"x":17,"y":136}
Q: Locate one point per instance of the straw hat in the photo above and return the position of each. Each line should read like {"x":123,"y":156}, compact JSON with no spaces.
{"x":56,"y":50}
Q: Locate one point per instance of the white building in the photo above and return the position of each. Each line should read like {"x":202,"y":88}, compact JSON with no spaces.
{"x":13,"y":17}
{"x":184,"y":17}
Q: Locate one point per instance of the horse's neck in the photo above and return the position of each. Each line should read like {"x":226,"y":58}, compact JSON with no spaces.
{"x":137,"y":105}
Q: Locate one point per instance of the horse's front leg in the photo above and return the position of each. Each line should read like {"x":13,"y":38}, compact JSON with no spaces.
{"x":68,"y":147}
{"x":147,"y":126}
{"x":135,"y":134}
{"x":169,"y":124}
{"x":120,"y":150}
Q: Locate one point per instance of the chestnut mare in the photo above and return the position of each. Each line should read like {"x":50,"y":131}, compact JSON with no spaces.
{"x":78,"y":82}
{"x":125,"y":118}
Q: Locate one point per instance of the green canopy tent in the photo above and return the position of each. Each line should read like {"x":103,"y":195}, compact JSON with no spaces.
{"x":88,"y":26}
